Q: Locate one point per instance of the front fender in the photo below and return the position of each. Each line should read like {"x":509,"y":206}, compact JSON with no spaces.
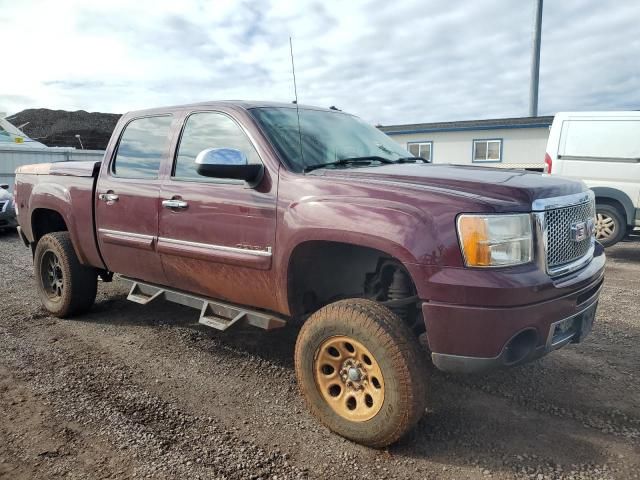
{"x":394,"y":228}
{"x":400,"y":230}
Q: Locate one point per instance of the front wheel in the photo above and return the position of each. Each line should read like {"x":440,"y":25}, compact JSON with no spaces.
{"x":362,"y":371}
{"x":65,"y":286}
{"x":610,"y":225}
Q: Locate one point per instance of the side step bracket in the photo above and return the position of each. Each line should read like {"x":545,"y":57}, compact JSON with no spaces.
{"x":213,"y":313}
{"x":143,"y":294}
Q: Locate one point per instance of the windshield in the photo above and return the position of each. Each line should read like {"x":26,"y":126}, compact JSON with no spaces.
{"x":327,"y":137}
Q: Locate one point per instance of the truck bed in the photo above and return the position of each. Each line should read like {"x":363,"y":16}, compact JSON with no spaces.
{"x":64,"y":187}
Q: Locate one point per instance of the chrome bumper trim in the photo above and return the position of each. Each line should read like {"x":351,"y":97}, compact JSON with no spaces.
{"x":550,"y":344}
{"x":551,"y":203}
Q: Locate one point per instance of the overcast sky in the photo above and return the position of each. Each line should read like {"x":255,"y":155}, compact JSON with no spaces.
{"x":387,"y":61}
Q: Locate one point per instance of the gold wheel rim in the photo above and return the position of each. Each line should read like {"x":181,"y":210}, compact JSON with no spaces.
{"x":349,"y":378}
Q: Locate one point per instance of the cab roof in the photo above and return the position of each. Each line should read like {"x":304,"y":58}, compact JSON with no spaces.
{"x":244,"y":104}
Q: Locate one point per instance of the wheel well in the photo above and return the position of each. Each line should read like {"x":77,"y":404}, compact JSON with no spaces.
{"x":617,"y":199}
{"x":615,"y":204}
{"x":322,"y":272}
{"x":45,"y":221}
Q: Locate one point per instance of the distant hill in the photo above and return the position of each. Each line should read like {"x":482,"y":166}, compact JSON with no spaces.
{"x":58,"y":128}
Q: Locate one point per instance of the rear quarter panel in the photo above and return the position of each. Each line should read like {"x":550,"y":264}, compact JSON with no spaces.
{"x":71,"y":197}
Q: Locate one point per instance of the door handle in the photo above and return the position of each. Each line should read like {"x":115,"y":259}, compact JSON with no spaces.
{"x":174,"y":203}
{"x":108,"y":197}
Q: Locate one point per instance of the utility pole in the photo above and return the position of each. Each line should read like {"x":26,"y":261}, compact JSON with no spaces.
{"x":535,"y":62}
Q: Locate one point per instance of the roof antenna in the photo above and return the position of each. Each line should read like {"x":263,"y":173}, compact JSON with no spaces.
{"x":295,"y":90}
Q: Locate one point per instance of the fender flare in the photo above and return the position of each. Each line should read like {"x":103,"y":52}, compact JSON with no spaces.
{"x":49,"y":196}
{"x":334,"y":220}
{"x":620,"y":197}
{"x":385,"y":247}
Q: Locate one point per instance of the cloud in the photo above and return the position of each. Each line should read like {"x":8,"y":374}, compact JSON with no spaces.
{"x":389,"y":62}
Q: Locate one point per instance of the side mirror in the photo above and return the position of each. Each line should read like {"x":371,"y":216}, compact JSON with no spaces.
{"x":4,"y":186}
{"x":228,"y":163}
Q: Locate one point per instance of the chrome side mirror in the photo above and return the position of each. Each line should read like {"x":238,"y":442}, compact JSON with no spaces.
{"x":227,"y":163}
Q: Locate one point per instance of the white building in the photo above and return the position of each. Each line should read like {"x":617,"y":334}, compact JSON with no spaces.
{"x":502,"y":142}
{"x":17,"y":149}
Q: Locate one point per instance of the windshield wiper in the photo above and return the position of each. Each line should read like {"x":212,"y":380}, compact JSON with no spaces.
{"x":348,"y":161}
{"x":411,"y":160}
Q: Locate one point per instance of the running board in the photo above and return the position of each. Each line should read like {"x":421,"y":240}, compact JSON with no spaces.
{"x":213,"y":313}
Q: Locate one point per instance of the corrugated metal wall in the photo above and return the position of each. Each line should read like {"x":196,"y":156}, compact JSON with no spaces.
{"x":14,"y":157}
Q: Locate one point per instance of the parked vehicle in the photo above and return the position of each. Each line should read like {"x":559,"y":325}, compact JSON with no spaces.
{"x":603,"y":149}
{"x":259,"y":213}
{"x":7,"y":212}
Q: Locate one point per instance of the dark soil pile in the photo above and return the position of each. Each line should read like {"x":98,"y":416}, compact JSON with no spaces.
{"x":58,"y":128}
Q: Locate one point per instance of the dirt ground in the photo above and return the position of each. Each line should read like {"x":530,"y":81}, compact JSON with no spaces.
{"x":143,"y":391}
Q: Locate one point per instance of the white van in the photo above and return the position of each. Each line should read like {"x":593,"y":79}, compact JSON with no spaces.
{"x":603,"y":149}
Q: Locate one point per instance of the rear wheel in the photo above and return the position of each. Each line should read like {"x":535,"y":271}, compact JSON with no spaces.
{"x":362,"y":371}
{"x":64,"y":285}
{"x":610,"y":225}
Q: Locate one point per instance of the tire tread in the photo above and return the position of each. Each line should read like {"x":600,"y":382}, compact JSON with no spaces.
{"x":81,"y":281}
{"x":405,"y":354}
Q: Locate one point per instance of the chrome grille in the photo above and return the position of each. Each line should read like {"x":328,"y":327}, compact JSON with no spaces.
{"x":561,"y":248}
{"x":3,"y":205}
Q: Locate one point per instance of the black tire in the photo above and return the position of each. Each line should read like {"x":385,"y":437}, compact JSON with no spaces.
{"x":397,"y":353}
{"x":610,"y":224}
{"x":64,"y":285}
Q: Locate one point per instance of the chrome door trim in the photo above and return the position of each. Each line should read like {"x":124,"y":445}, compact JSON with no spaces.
{"x":222,"y":248}
{"x":127,"y":239}
{"x":126,"y":234}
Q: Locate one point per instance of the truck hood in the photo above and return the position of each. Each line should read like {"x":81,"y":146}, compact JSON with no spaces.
{"x":509,"y":187}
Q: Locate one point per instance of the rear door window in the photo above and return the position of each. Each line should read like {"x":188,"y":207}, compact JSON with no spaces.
{"x":615,"y":139}
{"x":142,"y":147}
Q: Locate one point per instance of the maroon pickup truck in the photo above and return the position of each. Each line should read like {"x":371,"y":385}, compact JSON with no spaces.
{"x":263,"y":213}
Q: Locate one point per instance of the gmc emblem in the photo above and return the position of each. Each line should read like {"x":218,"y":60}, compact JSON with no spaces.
{"x":582,"y":230}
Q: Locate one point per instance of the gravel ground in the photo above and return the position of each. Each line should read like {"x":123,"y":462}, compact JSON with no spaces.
{"x":131,"y":391}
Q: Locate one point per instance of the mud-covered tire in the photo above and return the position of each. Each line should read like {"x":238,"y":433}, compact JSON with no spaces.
{"x":611,"y":226}
{"x":77,"y":288}
{"x":397,"y":352}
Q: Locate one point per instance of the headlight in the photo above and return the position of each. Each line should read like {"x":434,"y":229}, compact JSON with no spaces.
{"x":495,"y":240}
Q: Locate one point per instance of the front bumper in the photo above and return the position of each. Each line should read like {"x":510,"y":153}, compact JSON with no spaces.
{"x":466,"y":339}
